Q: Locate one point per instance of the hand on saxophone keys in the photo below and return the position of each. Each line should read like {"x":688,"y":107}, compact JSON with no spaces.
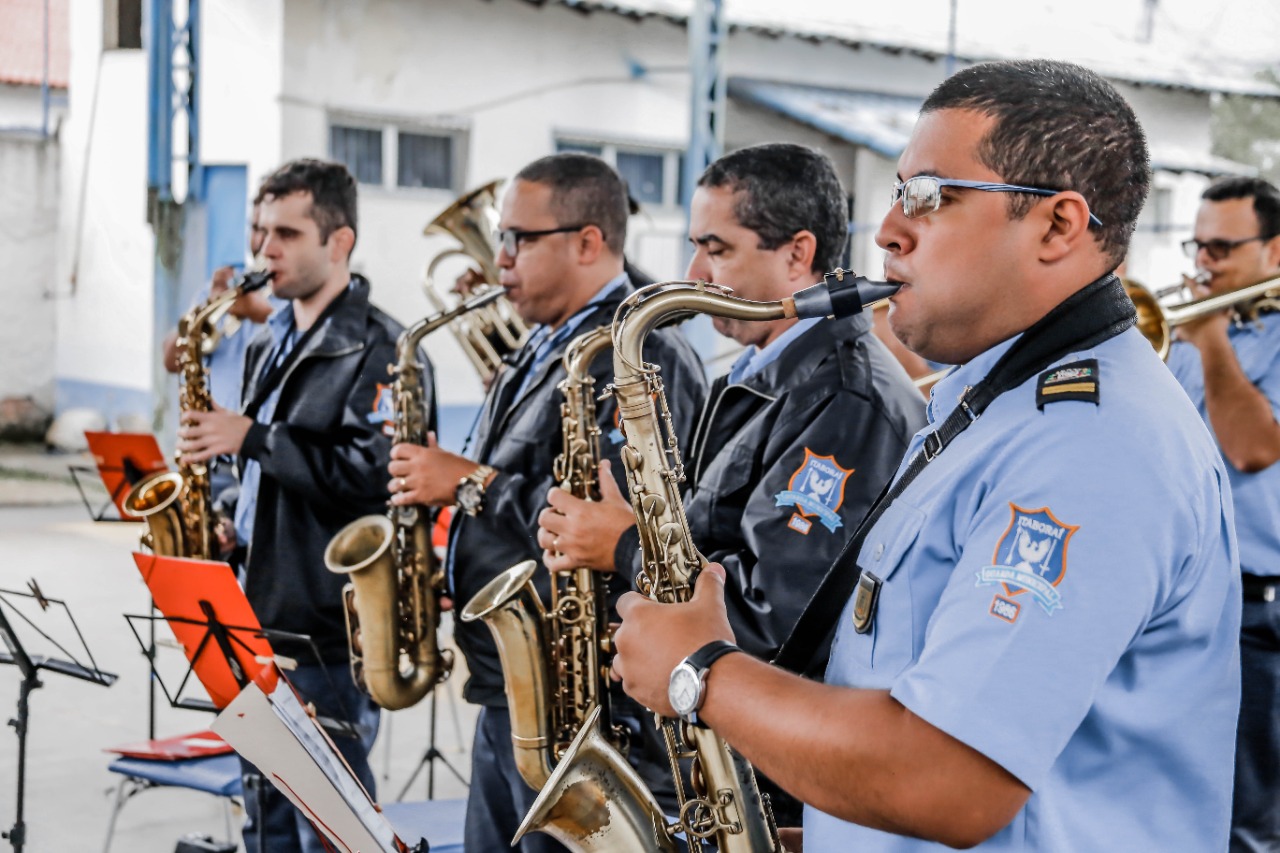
{"x":654,"y":637}
{"x":426,"y":475}
{"x":576,"y":533}
{"x":204,"y":435}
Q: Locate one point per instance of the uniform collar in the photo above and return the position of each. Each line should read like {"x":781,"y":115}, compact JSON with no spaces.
{"x":945,"y":394}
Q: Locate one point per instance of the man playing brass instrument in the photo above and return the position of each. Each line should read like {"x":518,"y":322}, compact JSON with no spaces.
{"x":1036,"y":642}
{"x":801,"y":435}
{"x":313,"y":445}
{"x":1231,"y":370}
{"x":563,"y":224}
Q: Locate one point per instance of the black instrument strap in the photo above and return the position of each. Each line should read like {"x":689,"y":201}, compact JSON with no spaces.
{"x":1095,"y":313}
{"x":275,"y":374}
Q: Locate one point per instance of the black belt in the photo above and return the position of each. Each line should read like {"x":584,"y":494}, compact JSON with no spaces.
{"x":1261,"y":589}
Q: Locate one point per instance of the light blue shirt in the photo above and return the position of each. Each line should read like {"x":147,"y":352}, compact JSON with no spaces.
{"x":543,"y":339}
{"x":284,"y":334}
{"x":755,"y":359}
{"x":1061,"y":593}
{"x":1257,"y":495}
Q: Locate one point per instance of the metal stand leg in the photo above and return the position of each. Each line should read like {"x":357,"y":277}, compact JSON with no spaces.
{"x":429,"y":758}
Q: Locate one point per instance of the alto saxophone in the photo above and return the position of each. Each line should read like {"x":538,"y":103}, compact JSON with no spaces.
{"x":177,"y":505}
{"x":393,"y":598}
{"x":552,"y":657}
{"x":579,"y":804}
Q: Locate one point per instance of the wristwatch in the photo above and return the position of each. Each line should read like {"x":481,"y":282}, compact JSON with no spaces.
{"x":686,"y":690}
{"x":469,"y":495}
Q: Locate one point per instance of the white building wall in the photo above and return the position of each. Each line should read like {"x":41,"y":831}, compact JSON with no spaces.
{"x":28,"y":231}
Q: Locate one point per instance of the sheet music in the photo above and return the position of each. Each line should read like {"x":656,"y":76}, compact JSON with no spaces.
{"x":294,"y":753}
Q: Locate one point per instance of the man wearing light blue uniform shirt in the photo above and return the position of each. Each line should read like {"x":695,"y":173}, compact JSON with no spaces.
{"x":1230,"y":367}
{"x":1040,"y":650}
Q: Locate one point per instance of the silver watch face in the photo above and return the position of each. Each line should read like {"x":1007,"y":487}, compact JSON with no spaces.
{"x":684,"y":689}
{"x":469,"y":496}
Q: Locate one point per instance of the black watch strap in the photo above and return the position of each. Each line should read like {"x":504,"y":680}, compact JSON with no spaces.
{"x":710,"y":653}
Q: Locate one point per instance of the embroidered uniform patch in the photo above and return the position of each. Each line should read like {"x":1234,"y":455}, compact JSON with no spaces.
{"x":816,"y":488}
{"x":1005,"y":608}
{"x":384,"y":411}
{"x":1075,"y":381}
{"x":1031,"y":556}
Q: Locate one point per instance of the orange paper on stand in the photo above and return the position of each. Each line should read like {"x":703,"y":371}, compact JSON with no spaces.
{"x":179,"y":586}
{"x":122,"y":459}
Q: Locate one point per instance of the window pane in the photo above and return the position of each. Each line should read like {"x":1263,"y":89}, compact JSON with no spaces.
{"x":643,"y":174}
{"x":359,"y":149}
{"x":425,"y":161}
{"x":579,"y":147}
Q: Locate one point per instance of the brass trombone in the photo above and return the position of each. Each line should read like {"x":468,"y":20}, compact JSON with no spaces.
{"x":1156,"y":321}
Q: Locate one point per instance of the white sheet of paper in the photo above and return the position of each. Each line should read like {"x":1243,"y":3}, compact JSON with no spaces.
{"x":295,"y":754}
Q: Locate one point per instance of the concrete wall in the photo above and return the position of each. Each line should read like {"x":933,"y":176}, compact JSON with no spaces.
{"x":28,"y":241}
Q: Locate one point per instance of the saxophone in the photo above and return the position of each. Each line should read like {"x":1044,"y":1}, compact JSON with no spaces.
{"x":177,"y":505}
{"x":393,"y":598}
{"x":578,"y":804}
{"x":552,"y":657}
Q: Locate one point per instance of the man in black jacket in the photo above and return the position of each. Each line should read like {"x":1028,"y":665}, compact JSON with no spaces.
{"x":798,"y":439}
{"x":313,"y":444}
{"x":563,"y":226}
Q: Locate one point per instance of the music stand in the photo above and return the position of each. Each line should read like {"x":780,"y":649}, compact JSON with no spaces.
{"x":121,"y":459}
{"x":30,"y":665}
{"x":430,"y":757}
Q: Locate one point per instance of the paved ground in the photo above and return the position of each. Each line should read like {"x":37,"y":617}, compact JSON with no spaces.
{"x":46,"y":534}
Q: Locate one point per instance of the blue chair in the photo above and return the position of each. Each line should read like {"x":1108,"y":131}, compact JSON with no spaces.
{"x":441,"y":822}
{"x":216,"y":774}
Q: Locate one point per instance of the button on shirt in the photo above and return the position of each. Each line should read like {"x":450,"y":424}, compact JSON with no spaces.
{"x":285,"y":334}
{"x":1107,"y":681}
{"x":1257,"y":495}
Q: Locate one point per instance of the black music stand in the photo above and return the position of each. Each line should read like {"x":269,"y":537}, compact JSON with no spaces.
{"x":431,"y":756}
{"x":30,"y":666}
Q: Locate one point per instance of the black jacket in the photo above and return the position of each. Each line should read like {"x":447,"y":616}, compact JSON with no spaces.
{"x":521,"y":439}
{"x":834,"y":392}
{"x":324,"y":463}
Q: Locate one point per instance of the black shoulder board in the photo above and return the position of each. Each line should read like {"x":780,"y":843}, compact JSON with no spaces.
{"x":1075,"y":381}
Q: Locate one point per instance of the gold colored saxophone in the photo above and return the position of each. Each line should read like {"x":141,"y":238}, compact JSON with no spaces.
{"x":552,"y":658}
{"x":587,"y":803}
{"x":177,"y":505}
{"x":393,"y":598}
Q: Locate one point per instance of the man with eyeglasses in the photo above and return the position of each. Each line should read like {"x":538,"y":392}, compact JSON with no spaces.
{"x":563,"y":225}
{"x":1229,"y":363}
{"x":1036,"y":626}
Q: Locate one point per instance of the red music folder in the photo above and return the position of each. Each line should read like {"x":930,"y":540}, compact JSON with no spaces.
{"x":179,"y":585}
{"x":194,"y":745}
{"x":122,"y":459}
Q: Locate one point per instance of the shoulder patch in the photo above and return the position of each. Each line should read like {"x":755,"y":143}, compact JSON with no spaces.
{"x":1075,"y":381}
{"x":816,"y":488}
{"x":1031,"y":556}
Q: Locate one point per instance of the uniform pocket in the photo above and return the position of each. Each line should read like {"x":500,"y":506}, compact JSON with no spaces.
{"x":874,"y":658}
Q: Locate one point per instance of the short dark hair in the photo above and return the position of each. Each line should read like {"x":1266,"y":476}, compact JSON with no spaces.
{"x":1266,"y":199}
{"x":781,"y":189}
{"x":332,"y":189}
{"x":1061,"y":127}
{"x":585,"y":190}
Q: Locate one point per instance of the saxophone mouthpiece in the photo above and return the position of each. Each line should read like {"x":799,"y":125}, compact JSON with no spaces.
{"x":841,"y":294}
{"x":254,"y":280}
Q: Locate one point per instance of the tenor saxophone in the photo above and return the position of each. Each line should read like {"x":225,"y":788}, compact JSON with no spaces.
{"x":723,"y":803}
{"x":552,"y":657}
{"x":393,"y":598}
{"x":177,"y":505}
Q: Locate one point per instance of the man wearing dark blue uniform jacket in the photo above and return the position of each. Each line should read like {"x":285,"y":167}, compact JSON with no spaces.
{"x":796,"y":441}
{"x":563,"y":224}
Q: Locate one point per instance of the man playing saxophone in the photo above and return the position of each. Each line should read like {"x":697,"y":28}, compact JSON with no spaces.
{"x":313,"y":444}
{"x":798,"y":439}
{"x":1036,"y":629}
{"x":563,"y":227}
{"x":1230,"y":367}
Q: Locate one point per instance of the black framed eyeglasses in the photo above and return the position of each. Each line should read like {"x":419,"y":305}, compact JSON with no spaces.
{"x":1217,"y":249}
{"x":922,"y":194}
{"x":509,"y":239}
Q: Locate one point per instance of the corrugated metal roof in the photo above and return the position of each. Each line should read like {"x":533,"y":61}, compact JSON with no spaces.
{"x":1123,"y":60}
{"x":883,"y":122}
{"x":22,"y":42}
